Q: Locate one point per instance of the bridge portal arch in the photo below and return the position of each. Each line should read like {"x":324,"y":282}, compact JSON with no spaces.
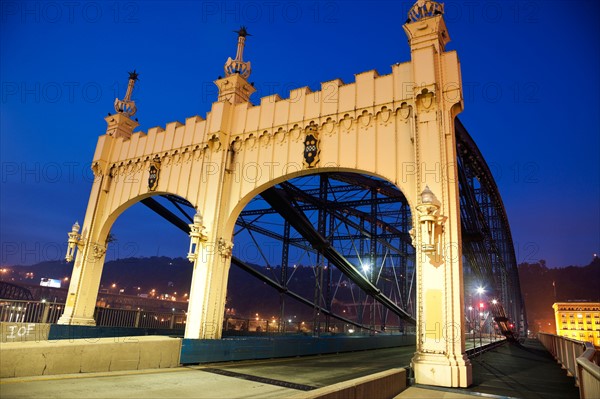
{"x":92,"y":243}
{"x":399,"y":126}
{"x":251,"y":192}
{"x":334,"y":222}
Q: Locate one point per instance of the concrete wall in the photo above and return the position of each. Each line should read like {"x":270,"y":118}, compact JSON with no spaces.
{"x":21,"y":359}
{"x":196,"y":351}
{"x":384,"y":385}
{"x":22,"y":332}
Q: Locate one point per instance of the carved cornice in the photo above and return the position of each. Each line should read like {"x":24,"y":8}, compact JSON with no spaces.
{"x":344,"y":122}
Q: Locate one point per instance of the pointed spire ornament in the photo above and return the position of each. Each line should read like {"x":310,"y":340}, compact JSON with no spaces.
{"x":238,"y":66}
{"x":424,"y":9}
{"x":127,"y":105}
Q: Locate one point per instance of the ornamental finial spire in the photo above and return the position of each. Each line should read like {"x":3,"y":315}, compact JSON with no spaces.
{"x":127,"y":105}
{"x":424,"y":9}
{"x":238,"y":65}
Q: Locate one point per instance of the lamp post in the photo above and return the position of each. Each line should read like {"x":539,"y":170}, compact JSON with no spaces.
{"x":430,"y":220}
{"x":481,"y":309}
{"x":198,"y":234}
{"x":472,"y":325}
{"x":492,"y":327}
{"x":73,"y":242}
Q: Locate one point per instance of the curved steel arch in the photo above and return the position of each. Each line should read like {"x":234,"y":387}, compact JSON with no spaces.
{"x":487,"y":239}
{"x":15,"y":292}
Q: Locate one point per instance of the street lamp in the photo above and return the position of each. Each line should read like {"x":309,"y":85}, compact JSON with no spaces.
{"x":73,"y":242}
{"x":492,"y":327}
{"x":472,"y":325}
{"x":430,"y":220}
{"x":481,"y":313}
{"x":198,"y":233}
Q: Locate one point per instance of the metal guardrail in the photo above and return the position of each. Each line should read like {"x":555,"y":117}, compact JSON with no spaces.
{"x":14,"y":311}
{"x":49,"y":312}
{"x":580,"y":359}
{"x":18,"y":311}
{"x":240,"y":326}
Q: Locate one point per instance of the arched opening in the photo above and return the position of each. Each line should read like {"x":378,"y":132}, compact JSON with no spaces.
{"x":331,"y":253}
{"x":145,"y":280}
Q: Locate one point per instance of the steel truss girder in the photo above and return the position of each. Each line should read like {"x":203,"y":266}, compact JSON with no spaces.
{"x":339,"y":205}
{"x":492,"y":245}
{"x":382,"y":239}
{"x":487,"y":240}
{"x":278,"y":201}
{"x":180,"y":224}
{"x":282,"y":289}
{"x":339,"y":211}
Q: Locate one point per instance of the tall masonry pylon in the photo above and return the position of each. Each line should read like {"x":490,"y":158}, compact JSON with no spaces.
{"x":440,"y":358}
{"x":398,"y":127}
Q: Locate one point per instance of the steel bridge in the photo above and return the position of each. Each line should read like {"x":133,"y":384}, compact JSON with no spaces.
{"x":358,"y":160}
{"x":355,"y":232}
{"x":13,"y":291}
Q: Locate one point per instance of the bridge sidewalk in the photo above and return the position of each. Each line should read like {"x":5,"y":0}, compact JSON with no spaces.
{"x":509,"y":371}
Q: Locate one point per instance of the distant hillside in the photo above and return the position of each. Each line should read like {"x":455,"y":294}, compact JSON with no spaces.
{"x":160,"y":273}
{"x":542,"y":286}
{"x":246,"y":295}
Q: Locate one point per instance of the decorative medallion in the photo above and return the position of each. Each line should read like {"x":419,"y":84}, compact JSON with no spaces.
{"x":385,"y":114}
{"x":311,"y":148}
{"x":404,"y":111}
{"x":236,"y":145}
{"x":279,"y":136}
{"x":347,"y":122}
{"x":365,"y":119}
{"x":225,"y":247}
{"x":328,"y":127}
{"x":214,"y":144}
{"x":154,"y":172}
{"x":250,"y":142}
{"x":425,"y":98}
{"x":265,"y":139}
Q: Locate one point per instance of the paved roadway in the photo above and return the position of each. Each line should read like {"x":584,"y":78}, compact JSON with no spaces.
{"x":276,"y":378}
{"x":510,"y":370}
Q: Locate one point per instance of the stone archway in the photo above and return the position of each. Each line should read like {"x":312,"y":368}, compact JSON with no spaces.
{"x":87,"y":270}
{"x":399,"y":126}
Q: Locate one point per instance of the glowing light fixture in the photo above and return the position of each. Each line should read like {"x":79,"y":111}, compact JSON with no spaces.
{"x":197,"y":234}
{"x":73,"y":242}
{"x":430,"y":221}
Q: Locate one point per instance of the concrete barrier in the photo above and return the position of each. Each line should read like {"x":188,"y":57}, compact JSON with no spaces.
{"x":195,"y":351}
{"x":21,"y":359}
{"x":384,"y":385}
{"x":23,"y":332}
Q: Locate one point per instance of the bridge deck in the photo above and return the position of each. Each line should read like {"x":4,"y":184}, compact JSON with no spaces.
{"x":509,"y":371}
{"x":526,"y":371}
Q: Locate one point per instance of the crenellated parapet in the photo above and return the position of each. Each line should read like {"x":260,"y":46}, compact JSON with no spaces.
{"x":334,"y":109}
{"x":398,"y":127}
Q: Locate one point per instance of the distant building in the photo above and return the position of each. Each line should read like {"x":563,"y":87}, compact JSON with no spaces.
{"x":578,"y":320}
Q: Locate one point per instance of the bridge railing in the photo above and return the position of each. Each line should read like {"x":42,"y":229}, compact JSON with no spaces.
{"x":580,"y":359}
{"x":17,"y":311}
{"x":234,"y":326}
{"x":14,"y":311}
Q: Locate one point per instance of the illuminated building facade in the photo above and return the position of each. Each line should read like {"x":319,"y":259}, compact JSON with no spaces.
{"x":578,"y":320}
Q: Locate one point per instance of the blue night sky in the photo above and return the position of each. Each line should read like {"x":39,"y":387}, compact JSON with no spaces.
{"x":531,"y":88}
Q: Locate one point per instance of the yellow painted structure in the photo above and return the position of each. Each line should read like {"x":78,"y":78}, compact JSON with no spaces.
{"x":399,"y":127}
{"x":578,"y":320}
